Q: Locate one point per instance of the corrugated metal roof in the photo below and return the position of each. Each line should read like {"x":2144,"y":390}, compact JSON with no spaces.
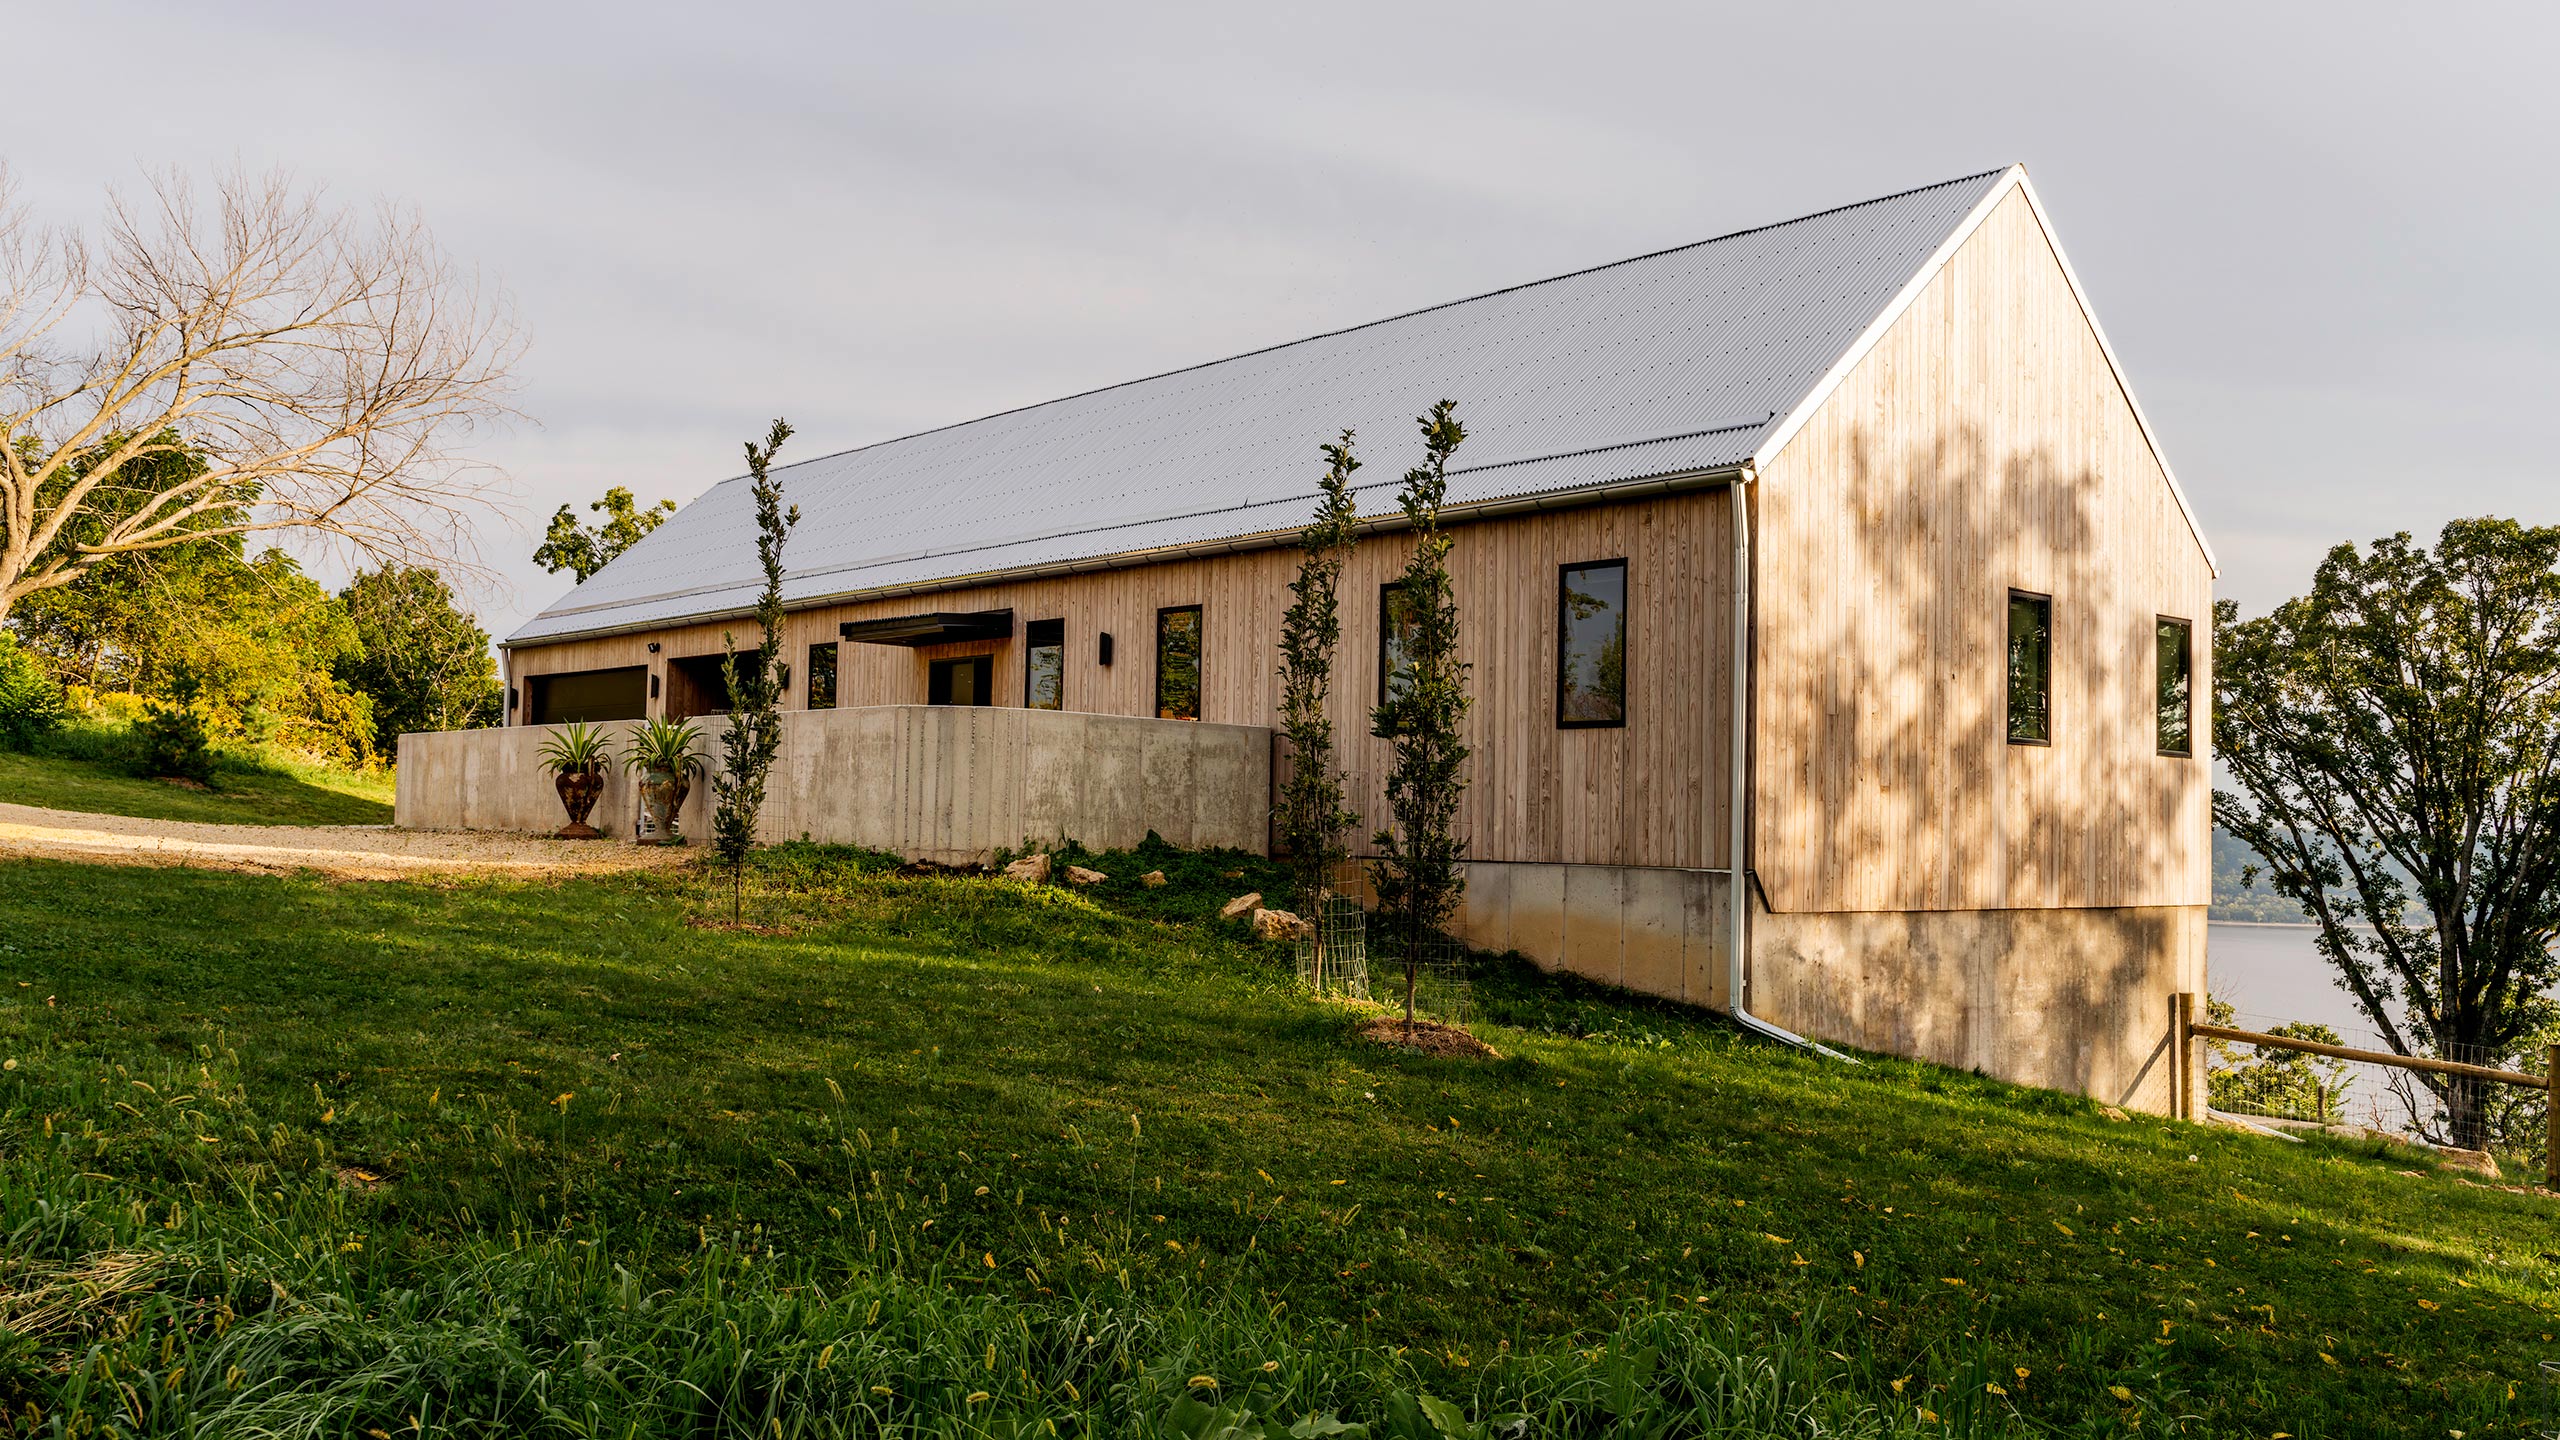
{"x":1668,"y":363}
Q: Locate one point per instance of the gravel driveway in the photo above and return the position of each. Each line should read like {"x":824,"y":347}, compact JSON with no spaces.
{"x":358,"y":852}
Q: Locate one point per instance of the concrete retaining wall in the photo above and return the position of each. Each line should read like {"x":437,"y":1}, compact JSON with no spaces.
{"x":2069,"y":999}
{"x":494,"y":780}
{"x":946,"y":783}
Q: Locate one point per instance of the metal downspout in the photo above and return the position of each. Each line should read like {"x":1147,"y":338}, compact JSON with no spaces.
{"x":1738,"y":899}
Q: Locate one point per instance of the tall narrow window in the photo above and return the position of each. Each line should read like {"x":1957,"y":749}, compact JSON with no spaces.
{"x":1395,"y":638}
{"x":1178,"y":647}
{"x":2175,"y":648}
{"x":1591,"y":645}
{"x":2030,"y":668}
{"x":822,"y":676}
{"x":1044,"y":665}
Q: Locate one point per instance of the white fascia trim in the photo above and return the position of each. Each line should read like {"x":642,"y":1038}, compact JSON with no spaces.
{"x":1820,"y":395}
{"x":2014,"y":178}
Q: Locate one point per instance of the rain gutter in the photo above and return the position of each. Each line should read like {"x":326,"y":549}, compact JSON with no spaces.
{"x":1738,"y":897}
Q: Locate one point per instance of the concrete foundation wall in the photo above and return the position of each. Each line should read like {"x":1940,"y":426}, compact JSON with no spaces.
{"x":2074,"y":999}
{"x":1663,"y":932}
{"x":946,"y":783}
{"x":2069,"y":999}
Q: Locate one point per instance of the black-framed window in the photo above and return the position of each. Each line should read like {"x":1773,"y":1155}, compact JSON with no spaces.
{"x":1179,"y":655}
{"x":2174,"y":658}
{"x":822,"y":676}
{"x":2030,"y":668}
{"x":1591,"y":645}
{"x":961,"y":680}
{"x":1395,"y":637}
{"x":1044,"y":665}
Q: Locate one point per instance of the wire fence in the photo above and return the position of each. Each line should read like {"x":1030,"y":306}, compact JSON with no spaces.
{"x":2448,"y":1111}
{"x":1349,"y":951}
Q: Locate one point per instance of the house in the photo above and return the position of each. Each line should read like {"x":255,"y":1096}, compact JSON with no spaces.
{"x":1871,"y":480}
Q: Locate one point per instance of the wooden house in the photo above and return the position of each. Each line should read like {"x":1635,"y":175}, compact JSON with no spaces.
{"x":1871,"y":480}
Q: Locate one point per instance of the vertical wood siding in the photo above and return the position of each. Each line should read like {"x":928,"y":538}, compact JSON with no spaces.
{"x":1984,"y":445}
{"x":1653,"y":793}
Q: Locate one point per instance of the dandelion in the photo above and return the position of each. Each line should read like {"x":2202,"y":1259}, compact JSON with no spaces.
{"x":1204,"y":1382}
{"x":1270,"y":1365}
{"x":883,"y":1391}
{"x":976,"y":1396}
{"x":2120,"y":1392}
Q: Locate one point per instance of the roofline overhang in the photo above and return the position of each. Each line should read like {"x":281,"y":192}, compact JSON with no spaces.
{"x":1607,"y":492}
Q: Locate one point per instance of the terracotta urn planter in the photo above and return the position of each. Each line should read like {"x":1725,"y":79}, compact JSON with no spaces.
{"x":662,"y":794}
{"x":662,"y":755}
{"x":576,"y":755}
{"x":579,"y":791}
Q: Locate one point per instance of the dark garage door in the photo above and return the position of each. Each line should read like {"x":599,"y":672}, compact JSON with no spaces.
{"x":621,"y":694}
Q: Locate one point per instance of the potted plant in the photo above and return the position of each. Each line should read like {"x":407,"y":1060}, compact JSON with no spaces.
{"x":576,"y":755}
{"x":661,"y":754}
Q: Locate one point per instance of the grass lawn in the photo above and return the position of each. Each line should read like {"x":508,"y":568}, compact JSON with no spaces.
{"x":278,"y":793}
{"x":951,"y":1156}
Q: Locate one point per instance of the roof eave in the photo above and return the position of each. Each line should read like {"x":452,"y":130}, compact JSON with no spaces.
{"x":1606,"y":492}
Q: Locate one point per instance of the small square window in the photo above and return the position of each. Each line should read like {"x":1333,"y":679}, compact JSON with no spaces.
{"x":2030,"y":668}
{"x":1591,"y":645}
{"x":2174,"y":659}
{"x":822,"y":676}
{"x":1178,"y":660}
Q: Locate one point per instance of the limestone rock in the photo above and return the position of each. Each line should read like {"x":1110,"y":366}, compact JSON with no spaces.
{"x":1278,"y":925}
{"x":1153,"y":880}
{"x":2478,"y":1162}
{"x":1078,"y":875}
{"x":1242,"y":904}
{"x":1030,"y":869}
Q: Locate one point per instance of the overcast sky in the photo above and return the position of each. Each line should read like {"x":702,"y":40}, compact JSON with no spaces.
{"x":2325,"y":239}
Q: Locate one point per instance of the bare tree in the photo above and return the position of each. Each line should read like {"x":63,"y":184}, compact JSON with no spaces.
{"x":262,"y":362}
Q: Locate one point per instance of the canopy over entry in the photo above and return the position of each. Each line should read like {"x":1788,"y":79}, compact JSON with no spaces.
{"x":940,"y":627}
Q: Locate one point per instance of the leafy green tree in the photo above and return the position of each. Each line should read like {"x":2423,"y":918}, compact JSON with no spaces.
{"x":31,"y":703}
{"x":585,"y":549}
{"x":1314,"y":823}
{"x":1423,"y":716}
{"x":422,"y":660}
{"x":754,"y":735}
{"x":2395,"y":735}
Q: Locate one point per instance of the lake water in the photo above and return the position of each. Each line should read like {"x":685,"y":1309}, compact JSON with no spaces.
{"x":2274,"y":973}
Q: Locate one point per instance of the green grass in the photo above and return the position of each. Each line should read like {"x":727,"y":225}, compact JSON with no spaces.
{"x":83,"y":770}
{"x":639,"y":1175}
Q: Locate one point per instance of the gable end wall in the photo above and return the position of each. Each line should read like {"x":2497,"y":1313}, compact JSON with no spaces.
{"x":1983,"y":445}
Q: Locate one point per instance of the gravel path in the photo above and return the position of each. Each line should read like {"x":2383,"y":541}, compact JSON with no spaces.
{"x":357,"y":852}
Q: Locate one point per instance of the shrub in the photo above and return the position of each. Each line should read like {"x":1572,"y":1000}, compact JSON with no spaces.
{"x":31,"y":704}
{"x":170,"y":740}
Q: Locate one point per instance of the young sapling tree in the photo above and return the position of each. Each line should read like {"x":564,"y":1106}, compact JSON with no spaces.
{"x":754,"y":679}
{"x":1423,"y":717}
{"x":1314,"y":822}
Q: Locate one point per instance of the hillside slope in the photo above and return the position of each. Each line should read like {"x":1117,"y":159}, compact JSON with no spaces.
{"x":450,"y":1142}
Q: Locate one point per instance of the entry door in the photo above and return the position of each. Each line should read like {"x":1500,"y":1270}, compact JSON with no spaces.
{"x":969,"y":680}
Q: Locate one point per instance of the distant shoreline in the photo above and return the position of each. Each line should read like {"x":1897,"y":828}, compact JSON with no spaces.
{"x":2265,"y":924}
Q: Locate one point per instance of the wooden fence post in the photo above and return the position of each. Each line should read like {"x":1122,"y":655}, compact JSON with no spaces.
{"x":2551,"y":1114}
{"x":2182,"y":1020}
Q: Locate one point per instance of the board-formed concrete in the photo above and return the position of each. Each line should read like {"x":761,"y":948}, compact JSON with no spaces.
{"x":946,"y":783}
{"x":2071,"y":999}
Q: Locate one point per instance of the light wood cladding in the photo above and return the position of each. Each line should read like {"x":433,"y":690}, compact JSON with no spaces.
{"x":1984,"y":444}
{"x":1653,"y":793}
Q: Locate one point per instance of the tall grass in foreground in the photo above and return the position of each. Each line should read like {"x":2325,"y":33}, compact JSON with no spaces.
{"x":232,"y":1283}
